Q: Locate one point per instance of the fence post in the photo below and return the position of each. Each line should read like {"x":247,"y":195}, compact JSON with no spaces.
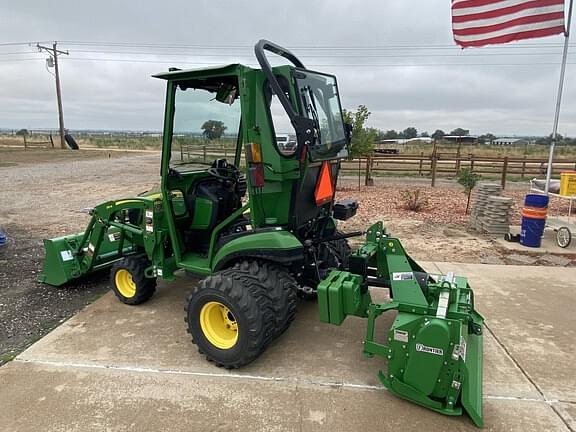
{"x":433,"y":169}
{"x":524,"y":166}
{"x":457,"y":164}
{"x":368,"y":181}
{"x":420,"y":165}
{"x":504,"y":172}
{"x":204,"y":152}
{"x":25,"y":144}
{"x":359,"y":171}
{"x":471,"y":163}
{"x":181,"y":152}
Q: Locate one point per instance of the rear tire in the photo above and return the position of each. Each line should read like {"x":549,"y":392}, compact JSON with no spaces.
{"x":342,"y":248}
{"x":281,"y":287}
{"x":230,"y":316}
{"x":129,"y":282}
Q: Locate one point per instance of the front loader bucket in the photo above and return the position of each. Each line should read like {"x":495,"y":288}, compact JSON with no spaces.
{"x":60,"y":262}
{"x":73,"y":256}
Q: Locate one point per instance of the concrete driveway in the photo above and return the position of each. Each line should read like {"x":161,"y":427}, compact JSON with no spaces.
{"x":117,"y":368}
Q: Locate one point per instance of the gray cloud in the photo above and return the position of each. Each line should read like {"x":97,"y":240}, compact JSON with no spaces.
{"x":462,"y":89}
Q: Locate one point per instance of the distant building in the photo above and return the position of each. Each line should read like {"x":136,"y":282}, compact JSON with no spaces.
{"x":462,"y":139}
{"x":425,"y":140}
{"x":510,"y":141}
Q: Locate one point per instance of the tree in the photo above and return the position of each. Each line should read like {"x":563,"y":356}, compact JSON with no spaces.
{"x":213,"y":129}
{"x":391,"y":134}
{"x":410,"y":132}
{"x":23,"y":132}
{"x":362,"y":138}
{"x":486,"y":138}
{"x":438,"y":134}
{"x":468,"y":179}
{"x":460,"y":132}
{"x":548,"y":140}
{"x":425,"y":134}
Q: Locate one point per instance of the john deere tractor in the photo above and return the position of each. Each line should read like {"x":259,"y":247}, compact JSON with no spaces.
{"x":260,"y":228}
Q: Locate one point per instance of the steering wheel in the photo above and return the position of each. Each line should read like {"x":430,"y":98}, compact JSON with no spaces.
{"x":228,"y":172}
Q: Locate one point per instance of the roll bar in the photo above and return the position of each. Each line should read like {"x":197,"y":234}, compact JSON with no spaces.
{"x":303,"y":126}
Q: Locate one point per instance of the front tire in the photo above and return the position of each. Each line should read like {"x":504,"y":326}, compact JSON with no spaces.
{"x":231,"y":317}
{"x":129,"y":281}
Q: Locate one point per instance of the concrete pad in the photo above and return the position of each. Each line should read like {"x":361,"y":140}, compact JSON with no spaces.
{"x":117,"y":367}
{"x":50,"y":398}
{"x":153,"y":336}
{"x":568,"y":412}
{"x":531,"y":312}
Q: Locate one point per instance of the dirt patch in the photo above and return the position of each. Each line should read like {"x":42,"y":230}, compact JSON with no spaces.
{"x":43,"y":200}
{"x":18,"y":156}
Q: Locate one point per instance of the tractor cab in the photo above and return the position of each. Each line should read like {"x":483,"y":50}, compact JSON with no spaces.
{"x":282,"y":134}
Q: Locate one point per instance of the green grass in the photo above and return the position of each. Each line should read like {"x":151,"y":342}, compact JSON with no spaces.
{"x":7,"y":357}
{"x":121,"y":142}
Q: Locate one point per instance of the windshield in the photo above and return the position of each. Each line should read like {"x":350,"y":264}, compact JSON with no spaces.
{"x":319,"y":96}
{"x":206,"y":122}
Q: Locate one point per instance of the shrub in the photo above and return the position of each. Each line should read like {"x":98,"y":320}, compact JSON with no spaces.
{"x":414,"y":200}
{"x":468,"y":179}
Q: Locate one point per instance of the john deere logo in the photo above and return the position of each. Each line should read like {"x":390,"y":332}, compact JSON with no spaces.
{"x":430,"y":350}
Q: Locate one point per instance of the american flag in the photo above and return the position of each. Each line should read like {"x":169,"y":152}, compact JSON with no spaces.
{"x":483,"y":22}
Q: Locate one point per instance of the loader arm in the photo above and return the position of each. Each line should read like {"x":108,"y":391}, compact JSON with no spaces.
{"x":112,"y":233}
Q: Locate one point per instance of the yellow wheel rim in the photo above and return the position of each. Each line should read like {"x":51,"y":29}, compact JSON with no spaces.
{"x":125,"y":283}
{"x":219,"y":325}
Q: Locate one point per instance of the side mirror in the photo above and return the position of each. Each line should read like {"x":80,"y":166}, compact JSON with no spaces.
{"x":227,"y":94}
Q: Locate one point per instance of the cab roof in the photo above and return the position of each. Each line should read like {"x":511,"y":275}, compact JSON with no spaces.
{"x":179,"y":74}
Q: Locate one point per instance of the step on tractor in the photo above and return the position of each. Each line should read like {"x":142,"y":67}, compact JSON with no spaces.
{"x":262,"y":227}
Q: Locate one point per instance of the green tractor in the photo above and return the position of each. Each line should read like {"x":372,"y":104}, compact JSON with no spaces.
{"x":262,"y":228}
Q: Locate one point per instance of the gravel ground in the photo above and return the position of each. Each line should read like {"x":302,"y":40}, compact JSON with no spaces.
{"x":28,"y":310}
{"x":45,"y":200}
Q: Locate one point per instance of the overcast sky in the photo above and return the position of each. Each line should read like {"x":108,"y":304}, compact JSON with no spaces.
{"x":396,"y":57}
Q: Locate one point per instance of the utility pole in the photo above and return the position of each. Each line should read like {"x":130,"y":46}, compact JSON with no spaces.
{"x":53,"y":52}
{"x":559,"y":97}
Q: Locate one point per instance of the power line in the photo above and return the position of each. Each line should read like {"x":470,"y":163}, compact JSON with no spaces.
{"x":323,"y":55}
{"x":310,"y":64}
{"x":323,"y":64}
{"x":21,"y":43}
{"x":303,"y":47}
{"x":419,"y":55}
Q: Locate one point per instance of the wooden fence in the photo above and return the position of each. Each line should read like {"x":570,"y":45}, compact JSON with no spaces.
{"x":449,"y":164}
{"x":422,"y":165}
{"x":28,"y":142}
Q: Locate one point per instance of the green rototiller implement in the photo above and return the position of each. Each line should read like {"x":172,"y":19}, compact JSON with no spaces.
{"x":255,"y":255}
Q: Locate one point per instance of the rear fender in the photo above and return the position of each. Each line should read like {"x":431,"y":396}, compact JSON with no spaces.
{"x":278,"y":246}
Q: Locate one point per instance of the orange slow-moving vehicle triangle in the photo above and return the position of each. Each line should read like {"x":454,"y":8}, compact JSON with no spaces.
{"x":324,"y":187}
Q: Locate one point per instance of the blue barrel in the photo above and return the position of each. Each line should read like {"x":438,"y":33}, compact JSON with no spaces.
{"x":536,"y":200}
{"x":533,"y":220}
{"x":531,"y":232}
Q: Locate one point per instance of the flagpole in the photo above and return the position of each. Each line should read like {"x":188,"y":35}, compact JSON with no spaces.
{"x":559,"y":96}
